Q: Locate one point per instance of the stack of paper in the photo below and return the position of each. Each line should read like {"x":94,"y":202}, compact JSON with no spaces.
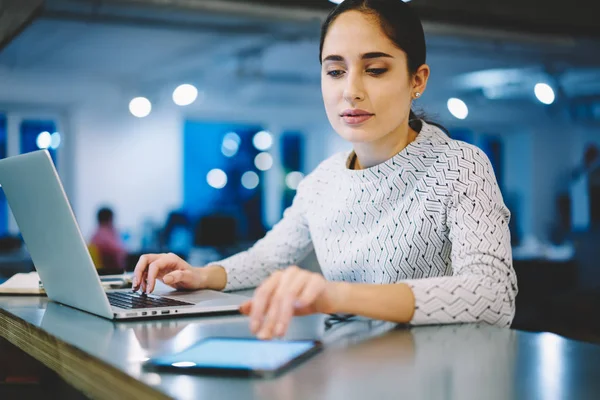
{"x":30,"y":283}
{"x":23,"y":284}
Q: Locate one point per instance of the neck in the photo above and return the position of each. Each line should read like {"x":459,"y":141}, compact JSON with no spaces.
{"x":374,"y":153}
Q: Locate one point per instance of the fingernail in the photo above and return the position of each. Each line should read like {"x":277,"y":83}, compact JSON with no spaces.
{"x":134,"y":283}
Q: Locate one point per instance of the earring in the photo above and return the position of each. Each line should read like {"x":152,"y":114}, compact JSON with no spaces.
{"x":417,"y":94}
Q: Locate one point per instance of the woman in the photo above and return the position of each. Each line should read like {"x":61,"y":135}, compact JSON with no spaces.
{"x":408,"y":227}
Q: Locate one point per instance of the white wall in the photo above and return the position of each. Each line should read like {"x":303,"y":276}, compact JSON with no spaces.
{"x":131,"y":164}
{"x":135,"y":165}
{"x":552,"y":163}
{"x":518,"y":179}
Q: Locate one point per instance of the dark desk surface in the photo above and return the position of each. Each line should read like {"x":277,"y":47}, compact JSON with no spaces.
{"x":363,"y":359}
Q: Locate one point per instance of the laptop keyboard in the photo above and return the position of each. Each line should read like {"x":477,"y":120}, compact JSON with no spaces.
{"x":131,"y":300}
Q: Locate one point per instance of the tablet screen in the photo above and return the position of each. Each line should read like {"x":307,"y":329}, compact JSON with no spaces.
{"x":237,"y":353}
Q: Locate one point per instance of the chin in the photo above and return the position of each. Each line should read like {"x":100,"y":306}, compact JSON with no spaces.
{"x":355,"y":135}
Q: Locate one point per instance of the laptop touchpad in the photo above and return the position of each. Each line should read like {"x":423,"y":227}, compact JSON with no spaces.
{"x":202,"y":296}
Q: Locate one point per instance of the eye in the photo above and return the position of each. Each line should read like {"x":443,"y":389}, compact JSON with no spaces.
{"x":376,"y":71}
{"x":335,"y":73}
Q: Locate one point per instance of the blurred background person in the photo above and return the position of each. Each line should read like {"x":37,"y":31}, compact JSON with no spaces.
{"x":106,"y":247}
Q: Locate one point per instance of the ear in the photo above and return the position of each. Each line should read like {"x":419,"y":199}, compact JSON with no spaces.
{"x":419,"y":81}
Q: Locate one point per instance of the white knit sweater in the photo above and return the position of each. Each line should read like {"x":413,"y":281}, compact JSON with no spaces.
{"x":432,"y":217}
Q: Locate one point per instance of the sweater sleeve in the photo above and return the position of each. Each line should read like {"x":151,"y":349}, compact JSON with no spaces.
{"x":287,"y":243}
{"x":483,"y":285}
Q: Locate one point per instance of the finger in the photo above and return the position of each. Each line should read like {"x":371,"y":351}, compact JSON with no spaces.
{"x":288,"y":302}
{"x":267,"y":329}
{"x":246,"y":307}
{"x":174,"y":278}
{"x":186,"y":279}
{"x":311,"y":291}
{"x":140,"y":267}
{"x":298,"y":312}
{"x":262,"y":297}
{"x":157,"y":268}
{"x":288,"y":277}
{"x":144,"y":283}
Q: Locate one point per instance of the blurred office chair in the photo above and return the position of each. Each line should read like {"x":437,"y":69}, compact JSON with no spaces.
{"x":176,"y":236}
{"x":10,"y":244}
{"x":217,"y":231}
{"x":95,"y":254}
{"x":101,"y":268}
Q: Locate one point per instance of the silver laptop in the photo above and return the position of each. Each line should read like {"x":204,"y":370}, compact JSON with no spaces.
{"x":59,"y":252}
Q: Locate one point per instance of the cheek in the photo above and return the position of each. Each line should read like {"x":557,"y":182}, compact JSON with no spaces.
{"x":391,"y":100}
{"x":330,"y":97}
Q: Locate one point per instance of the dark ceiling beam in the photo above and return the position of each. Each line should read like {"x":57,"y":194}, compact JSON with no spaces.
{"x":188,"y":15}
{"x":573,"y":17}
{"x":15,"y":16}
{"x":238,"y":7}
{"x":156,"y":22}
{"x":554,"y":18}
{"x":558,"y":17}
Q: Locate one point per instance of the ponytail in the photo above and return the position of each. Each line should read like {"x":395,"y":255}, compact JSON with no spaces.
{"x":415,"y":122}
{"x":412,"y":116}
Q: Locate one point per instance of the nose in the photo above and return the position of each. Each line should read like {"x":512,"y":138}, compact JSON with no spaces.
{"x":354,"y":90}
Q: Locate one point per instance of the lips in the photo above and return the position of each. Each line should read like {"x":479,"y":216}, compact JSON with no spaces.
{"x":356,"y":117}
{"x":356,"y":113}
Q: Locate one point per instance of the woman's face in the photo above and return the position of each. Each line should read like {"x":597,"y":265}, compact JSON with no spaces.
{"x":366,"y":87}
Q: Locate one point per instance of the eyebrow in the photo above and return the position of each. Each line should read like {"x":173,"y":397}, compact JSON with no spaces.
{"x":366,"y":56}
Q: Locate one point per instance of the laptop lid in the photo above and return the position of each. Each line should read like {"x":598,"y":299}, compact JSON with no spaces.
{"x":58,"y":250}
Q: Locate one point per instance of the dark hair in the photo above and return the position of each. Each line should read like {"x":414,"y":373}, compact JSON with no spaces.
{"x":105,"y":215}
{"x":398,"y":21}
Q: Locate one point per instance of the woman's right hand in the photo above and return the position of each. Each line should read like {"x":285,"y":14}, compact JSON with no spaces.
{"x":175,"y":272}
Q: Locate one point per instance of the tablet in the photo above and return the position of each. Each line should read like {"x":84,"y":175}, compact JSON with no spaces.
{"x":238,"y":356}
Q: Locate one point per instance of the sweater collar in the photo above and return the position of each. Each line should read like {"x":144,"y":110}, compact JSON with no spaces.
{"x":424,"y":141}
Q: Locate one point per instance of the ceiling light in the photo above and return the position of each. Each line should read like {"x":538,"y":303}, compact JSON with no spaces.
{"x":263,"y":161}
{"x":293,"y":179}
{"x":44,"y":140}
{"x":544,"y":93}
{"x":217,"y":178}
{"x":233,"y":136}
{"x":55,"y":140}
{"x":262,"y":140}
{"x":185,"y":95}
{"x":458,"y":108}
{"x":250,"y":180}
{"x":140,"y":107}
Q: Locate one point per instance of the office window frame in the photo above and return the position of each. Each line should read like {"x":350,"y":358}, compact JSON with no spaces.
{"x":14,"y":118}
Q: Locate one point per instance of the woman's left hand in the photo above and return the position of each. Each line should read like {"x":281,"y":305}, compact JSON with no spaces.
{"x":294,"y":291}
